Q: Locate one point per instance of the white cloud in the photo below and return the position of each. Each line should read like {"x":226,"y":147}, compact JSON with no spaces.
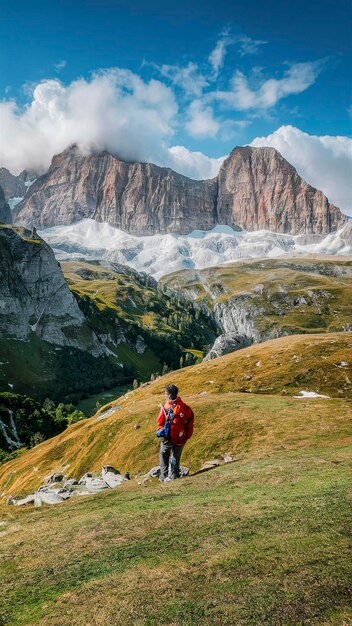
{"x":194,"y":164}
{"x":325,"y":162}
{"x":217,"y":56}
{"x":249,"y":46}
{"x":189,"y":78}
{"x":242,"y":96}
{"x":60,"y":65}
{"x":115,"y":110}
{"x":201,"y":122}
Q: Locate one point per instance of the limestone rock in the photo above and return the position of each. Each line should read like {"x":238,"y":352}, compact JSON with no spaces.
{"x":112,"y":476}
{"x":56,"y":477}
{"x":38,"y":498}
{"x":51,"y":494}
{"x":256,"y":188}
{"x":224,"y":344}
{"x":34,"y":296}
{"x":14,"y":186}
{"x":5,"y":211}
{"x":259,"y":189}
{"x":139,"y":198}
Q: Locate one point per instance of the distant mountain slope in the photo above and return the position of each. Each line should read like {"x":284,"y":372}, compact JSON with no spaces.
{"x":226,"y":421}
{"x":13,"y":186}
{"x":256,"y":188}
{"x":146,"y":329}
{"x":258,"y":300}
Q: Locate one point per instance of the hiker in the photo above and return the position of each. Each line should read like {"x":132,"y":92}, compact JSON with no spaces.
{"x":175,"y":427}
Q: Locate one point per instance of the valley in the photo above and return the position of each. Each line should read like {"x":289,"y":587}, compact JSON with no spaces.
{"x":86,"y":331}
{"x":155,"y":330}
{"x":94,"y":328}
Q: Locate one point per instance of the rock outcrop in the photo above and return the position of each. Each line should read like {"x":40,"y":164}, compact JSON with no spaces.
{"x":12,"y":185}
{"x":5,"y":211}
{"x":237,"y":321}
{"x":58,"y":488}
{"x":256,"y":188}
{"x":34,"y":296}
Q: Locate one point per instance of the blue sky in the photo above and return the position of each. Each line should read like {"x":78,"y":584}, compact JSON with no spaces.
{"x":219,"y":73}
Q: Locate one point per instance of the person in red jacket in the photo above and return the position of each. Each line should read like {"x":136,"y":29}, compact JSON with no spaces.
{"x":175,"y":427}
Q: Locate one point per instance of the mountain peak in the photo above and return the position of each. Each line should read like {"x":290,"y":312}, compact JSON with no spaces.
{"x":256,"y":188}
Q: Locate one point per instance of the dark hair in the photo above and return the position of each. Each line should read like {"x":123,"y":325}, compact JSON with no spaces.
{"x":172,"y":391}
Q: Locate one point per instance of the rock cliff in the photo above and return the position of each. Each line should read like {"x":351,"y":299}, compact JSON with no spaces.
{"x":256,"y":188}
{"x":139,"y":198}
{"x":34,"y":296}
{"x":260,"y":190}
{"x":48,"y":347}
{"x":15,"y":186}
{"x":5,"y":212}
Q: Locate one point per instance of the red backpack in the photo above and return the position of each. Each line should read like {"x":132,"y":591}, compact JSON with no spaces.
{"x":179,"y":418}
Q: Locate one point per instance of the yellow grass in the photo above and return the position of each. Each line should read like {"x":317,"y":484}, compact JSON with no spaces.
{"x":227,"y":420}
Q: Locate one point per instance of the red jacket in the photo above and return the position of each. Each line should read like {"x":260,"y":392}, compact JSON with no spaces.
{"x":182,"y":425}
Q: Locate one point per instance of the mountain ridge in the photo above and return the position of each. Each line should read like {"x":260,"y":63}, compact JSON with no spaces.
{"x":256,"y":188}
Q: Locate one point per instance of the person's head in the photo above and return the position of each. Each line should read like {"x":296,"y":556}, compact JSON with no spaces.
{"x":171,"y":392}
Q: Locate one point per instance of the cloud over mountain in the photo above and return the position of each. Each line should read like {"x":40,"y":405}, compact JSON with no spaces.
{"x":148,"y":119}
{"x":324,"y":162}
{"x":116,"y":110}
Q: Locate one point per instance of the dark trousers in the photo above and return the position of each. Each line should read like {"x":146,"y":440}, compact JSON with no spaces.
{"x":167,"y":450}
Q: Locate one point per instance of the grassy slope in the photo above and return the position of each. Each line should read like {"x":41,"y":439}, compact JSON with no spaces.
{"x":226,"y":420}
{"x":284,"y":282}
{"x":139,"y":309}
{"x":264,"y":541}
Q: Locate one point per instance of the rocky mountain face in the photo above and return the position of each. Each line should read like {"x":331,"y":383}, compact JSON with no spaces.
{"x":256,"y":188}
{"x":139,"y":198}
{"x":5,"y":211}
{"x":47,"y":346}
{"x":15,"y":186}
{"x":34,"y":296}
